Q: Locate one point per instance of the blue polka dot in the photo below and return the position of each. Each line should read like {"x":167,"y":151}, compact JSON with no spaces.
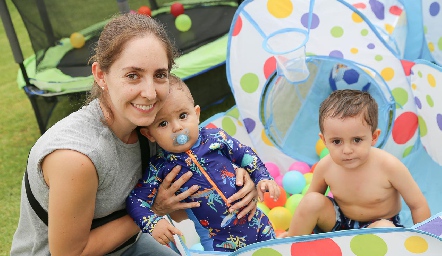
{"x":418,"y":102}
{"x":370,"y":46}
{"x":434,"y":8}
{"x":314,"y":22}
{"x":336,"y":54}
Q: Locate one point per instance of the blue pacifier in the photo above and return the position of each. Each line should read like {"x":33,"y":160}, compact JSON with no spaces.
{"x":181,"y":138}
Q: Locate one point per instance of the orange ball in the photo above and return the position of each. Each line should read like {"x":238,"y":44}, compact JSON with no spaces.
{"x":145,"y":10}
{"x":272,"y":203}
{"x":313,"y":167}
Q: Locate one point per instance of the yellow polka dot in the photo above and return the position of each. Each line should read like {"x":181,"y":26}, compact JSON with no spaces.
{"x":266,"y":139}
{"x":356,"y":18}
{"x":416,"y":244}
{"x":387,"y":74}
{"x":431,"y":80}
{"x":389,"y":28}
{"x":413,"y":86}
{"x":280,"y":8}
{"x":354,"y":50}
{"x":431,"y":47}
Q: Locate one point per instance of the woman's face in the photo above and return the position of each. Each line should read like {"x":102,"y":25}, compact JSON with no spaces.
{"x":137,"y":83}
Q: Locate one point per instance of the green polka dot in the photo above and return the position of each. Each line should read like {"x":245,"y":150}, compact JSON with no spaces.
{"x":425,"y":29}
{"x":337,"y":31}
{"x":407,"y":151}
{"x":229,"y":126}
{"x":400,"y":96}
{"x":249,"y":82}
{"x":439,"y":43}
{"x":368,"y":245}
{"x":430,"y":101}
{"x":310,"y":54}
{"x":422,"y":126}
{"x":234,"y":112}
{"x":364,"y":32}
{"x":419,"y":73}
{"x":266,"y":252}
{"x":378,"y":57}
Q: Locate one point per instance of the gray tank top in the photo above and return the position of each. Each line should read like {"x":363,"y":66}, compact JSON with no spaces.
{"x":118,"y":166}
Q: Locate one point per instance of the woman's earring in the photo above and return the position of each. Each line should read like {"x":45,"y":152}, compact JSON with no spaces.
{"x":102,"y":88}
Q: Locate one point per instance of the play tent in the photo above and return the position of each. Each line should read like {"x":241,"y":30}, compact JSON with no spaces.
{"x":57,"y":77}
{"x":286,"y":56}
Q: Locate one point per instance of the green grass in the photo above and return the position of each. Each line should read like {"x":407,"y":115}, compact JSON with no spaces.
{"x":19,"y":131}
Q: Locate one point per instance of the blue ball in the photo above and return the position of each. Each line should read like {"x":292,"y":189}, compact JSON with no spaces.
{"x":293,"y":182}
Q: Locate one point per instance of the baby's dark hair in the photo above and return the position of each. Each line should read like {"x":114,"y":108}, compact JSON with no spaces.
{"x":349,"y":103}
{"x":177,"y":84}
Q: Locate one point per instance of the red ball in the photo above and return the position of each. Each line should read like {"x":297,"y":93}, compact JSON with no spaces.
{"x":269,"y":202}
{"x":177,"y":9}
{"x":145,"y":10}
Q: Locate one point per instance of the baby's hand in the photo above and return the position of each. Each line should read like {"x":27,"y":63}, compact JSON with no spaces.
{"x":270,"y":186}
{"x":164,"y":231}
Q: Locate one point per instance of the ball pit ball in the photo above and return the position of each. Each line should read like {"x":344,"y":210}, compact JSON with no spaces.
{"x":293,"y":182}
{"x":308,"y":177}
{"x":183,"y":22}
{"x":145,"y":10}
{"x":293,"y":202}
{"x":263,"y":207}
{"x":278,"y":180}
{"x":319,"y":146}
{"x":273,"y":169}
{"x":271,"y":203}
{"x":280,"y":218}
{"x":305,"y":189}
{"x":324,"y":152}
{"x":176,"y":9}
{"x":77,"y":40}
{"x":300,"y":167}
{"x":313,"y":167}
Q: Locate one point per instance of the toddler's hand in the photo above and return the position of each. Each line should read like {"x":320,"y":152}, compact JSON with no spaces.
{"x":268,"y":186}
{"x":164,"y":231}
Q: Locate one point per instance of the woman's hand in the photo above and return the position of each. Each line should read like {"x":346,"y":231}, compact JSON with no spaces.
{"x":166,"y":201}
{"x":248,"y":195}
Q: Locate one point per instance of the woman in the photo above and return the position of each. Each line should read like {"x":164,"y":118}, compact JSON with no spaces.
{"x":82,"y":169}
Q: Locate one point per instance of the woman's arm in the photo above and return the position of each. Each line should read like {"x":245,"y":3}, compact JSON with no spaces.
{"x":73,"y":183}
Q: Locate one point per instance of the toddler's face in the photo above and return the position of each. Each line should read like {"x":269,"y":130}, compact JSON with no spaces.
{"x":349,"y":140}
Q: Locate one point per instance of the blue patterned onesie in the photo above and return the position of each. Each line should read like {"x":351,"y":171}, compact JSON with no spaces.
{"x":212,"y":160}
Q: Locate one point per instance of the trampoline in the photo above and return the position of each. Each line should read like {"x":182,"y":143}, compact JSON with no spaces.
{"x":57,"y":77}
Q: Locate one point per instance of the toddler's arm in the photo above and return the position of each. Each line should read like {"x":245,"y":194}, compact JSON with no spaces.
{"x":401,"y":179}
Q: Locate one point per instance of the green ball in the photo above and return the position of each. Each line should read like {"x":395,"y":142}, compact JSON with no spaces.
{"x":263,"y":207}
{"x":292,"y":202}
{"x":183,"y":22}
{"x":324,"y":152}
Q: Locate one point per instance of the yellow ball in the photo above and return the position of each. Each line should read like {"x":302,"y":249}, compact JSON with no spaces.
{"x":77,"y":40}
{"x":280,"y":217}
{"x":319,"y":146}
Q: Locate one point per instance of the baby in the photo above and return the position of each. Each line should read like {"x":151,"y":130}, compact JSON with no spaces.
{"x":212,"y":155}
{"x":366,"y":182}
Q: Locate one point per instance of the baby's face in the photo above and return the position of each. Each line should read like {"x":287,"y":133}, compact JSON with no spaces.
{"x":177,"y":117}
{"x":349,"y":140}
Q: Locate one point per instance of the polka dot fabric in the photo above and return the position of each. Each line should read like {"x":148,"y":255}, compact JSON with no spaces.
{"x":432,"y":18}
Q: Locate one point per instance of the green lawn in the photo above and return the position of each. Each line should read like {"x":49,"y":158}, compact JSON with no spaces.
{"x":19,"y":131}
